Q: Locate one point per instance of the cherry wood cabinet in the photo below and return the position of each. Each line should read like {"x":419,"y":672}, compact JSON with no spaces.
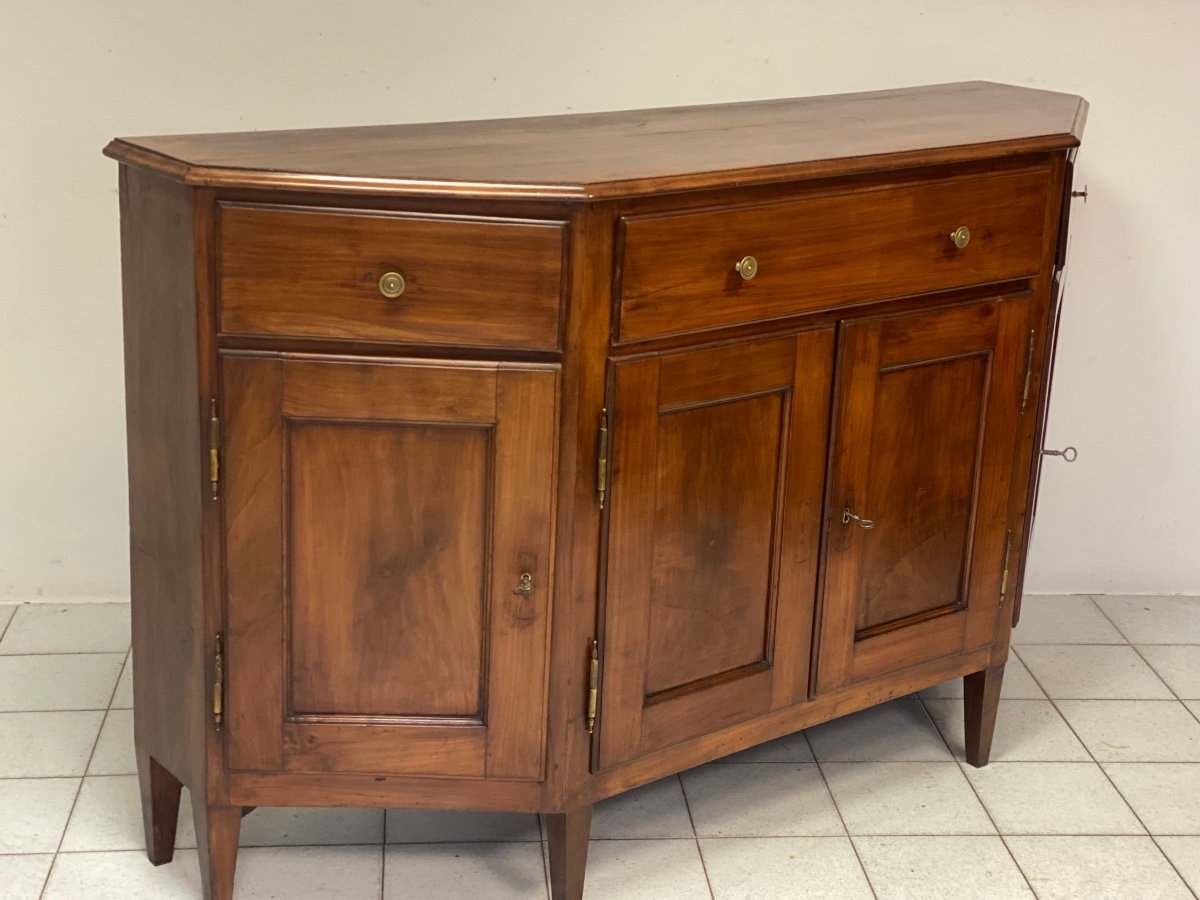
{"x":511,"y":465}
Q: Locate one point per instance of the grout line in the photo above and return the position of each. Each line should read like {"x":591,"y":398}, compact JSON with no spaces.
{"x":833,"y":799}
{"x":695,"y":837}
{"x":79,"y":790}
{"x":1104,"y":772}
{"x":383,"y":860}
{"x":963,"y":772}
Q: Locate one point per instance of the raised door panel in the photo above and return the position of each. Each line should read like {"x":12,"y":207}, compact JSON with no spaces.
{"x":718,"y":460}
{"x":378,"y":520}
{"x":926,"y":420}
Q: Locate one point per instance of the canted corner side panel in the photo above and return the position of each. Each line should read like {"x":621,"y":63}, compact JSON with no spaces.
{"x":165,"y":453}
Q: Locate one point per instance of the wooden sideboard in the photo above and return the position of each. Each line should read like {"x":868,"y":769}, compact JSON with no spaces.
{"x":510,"y":465}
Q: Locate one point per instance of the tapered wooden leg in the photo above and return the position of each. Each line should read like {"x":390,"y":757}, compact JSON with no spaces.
{"x":217,"y":830}
{"x":568,"y":833}
{"x":981,"y":699}
{"x":160,"y":808}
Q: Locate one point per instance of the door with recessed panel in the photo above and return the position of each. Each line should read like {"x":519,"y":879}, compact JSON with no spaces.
{"x":718,"y":459}
{"x":918,"y":533}
{"x":388,"y":565}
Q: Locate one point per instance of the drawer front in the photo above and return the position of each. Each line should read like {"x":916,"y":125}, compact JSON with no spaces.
{"x":317,"y":273}
{"x":678,"y":270}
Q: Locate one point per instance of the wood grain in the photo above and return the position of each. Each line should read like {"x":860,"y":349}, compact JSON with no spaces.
{"x":610,"y":154}
{"x":678,"y":269}
{"x":310,"y":272}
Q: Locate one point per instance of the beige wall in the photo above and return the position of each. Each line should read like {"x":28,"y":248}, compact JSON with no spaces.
{"x":1124,"y":518}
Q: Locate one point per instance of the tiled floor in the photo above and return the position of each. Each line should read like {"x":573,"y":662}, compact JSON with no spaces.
{"x":1093,"y":792}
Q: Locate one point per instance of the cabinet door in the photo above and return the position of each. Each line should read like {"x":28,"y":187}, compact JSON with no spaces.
{"x":925,"y":430}
{"x":718,"y":460}
{"x":378,"y":520}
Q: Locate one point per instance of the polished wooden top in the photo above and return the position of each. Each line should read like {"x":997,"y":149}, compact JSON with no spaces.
{"x":613,"y":154}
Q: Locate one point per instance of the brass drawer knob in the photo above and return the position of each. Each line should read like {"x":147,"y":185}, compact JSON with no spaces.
{"x":961,"y":236}
{"x":391,"y":285}
{"x":747,"y":267}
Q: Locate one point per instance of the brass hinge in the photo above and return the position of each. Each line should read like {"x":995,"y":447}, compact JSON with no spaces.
{"x":218,"y":683}
{"x":593,"y":686}
{"x":1028,"y":372}
{"x":602,"y":459}
{"x":1004,"y":574}
{"x":214,"y":447}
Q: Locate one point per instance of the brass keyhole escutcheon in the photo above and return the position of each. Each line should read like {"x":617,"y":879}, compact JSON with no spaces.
{"x":524,"y":584}
{"x":391,"y":285}
{"x":747,"y":267}
{"x":961,"y":236}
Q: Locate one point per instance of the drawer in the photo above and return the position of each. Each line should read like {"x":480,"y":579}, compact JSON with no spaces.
{"x":677,"y":271}
{"x":317,"y":273}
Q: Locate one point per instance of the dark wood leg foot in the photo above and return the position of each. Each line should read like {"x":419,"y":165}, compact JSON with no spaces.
{"x":217,"y":830}
{"x":981,"y":699}
{"x":568,"y":833}
{"x":160,"y":809}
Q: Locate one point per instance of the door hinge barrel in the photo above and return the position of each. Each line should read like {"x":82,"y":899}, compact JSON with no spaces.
{"x":214,"y":448}
{"x":602,"y":459}
{"x":593,"y":686}
{"x":1004,"y":573}
{"x":1028,"y":372}
{"x":218,"y":703}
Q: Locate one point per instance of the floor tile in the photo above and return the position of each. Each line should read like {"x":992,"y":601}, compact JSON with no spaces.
{"x":108,"y":816}
{"x":33,"y":813}
{"x":906,"y":798}
{"x":77,"y":628}
{"x":784,"y":868}
{"x":46,"y":744}
{"x":1154,"y":620}
{"x":1178,"y":666}
{"x":760,"y":800}
{"x":1098,"y":868}
{"x":1165,"y":795}
{"x":1052,"y":798}
{"x":124,"y":876}
{"x":941,"y":867}
{"x":299,"y":826}
{"x":23,"y":876}
{"x":430,"y":826}
{"x":1184,"y":852}
{"x":1194,"y":707}
{"x":656,"y":810}
{"x":1018,"y":684}
{"x":6,"y":614}
{"x":645,"y":870}
{"x":123,"y":698}
{"x":1135,"y":730}
{"x":791,"y":748}
{"x":496,"y":871}
{"x":1025,"y":730}
{"x":62,"y":681}
{"x":310,"y":873}
{"x":114,"y":750}
{"x":1092,"y":672}
{"x":1070,"y":619}
{"x":899,"y":730}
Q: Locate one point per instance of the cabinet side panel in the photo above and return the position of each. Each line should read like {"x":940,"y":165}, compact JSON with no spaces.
{"x":163,"y":421}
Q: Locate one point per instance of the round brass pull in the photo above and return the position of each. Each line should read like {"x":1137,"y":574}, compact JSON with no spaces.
{"x":747,"y":267}
{"x":961,"y":236}
{"x":391,"y":285}
{"x":524,"y":584}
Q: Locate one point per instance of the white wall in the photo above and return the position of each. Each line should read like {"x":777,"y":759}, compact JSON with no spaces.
{"x":1124,"y":518}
